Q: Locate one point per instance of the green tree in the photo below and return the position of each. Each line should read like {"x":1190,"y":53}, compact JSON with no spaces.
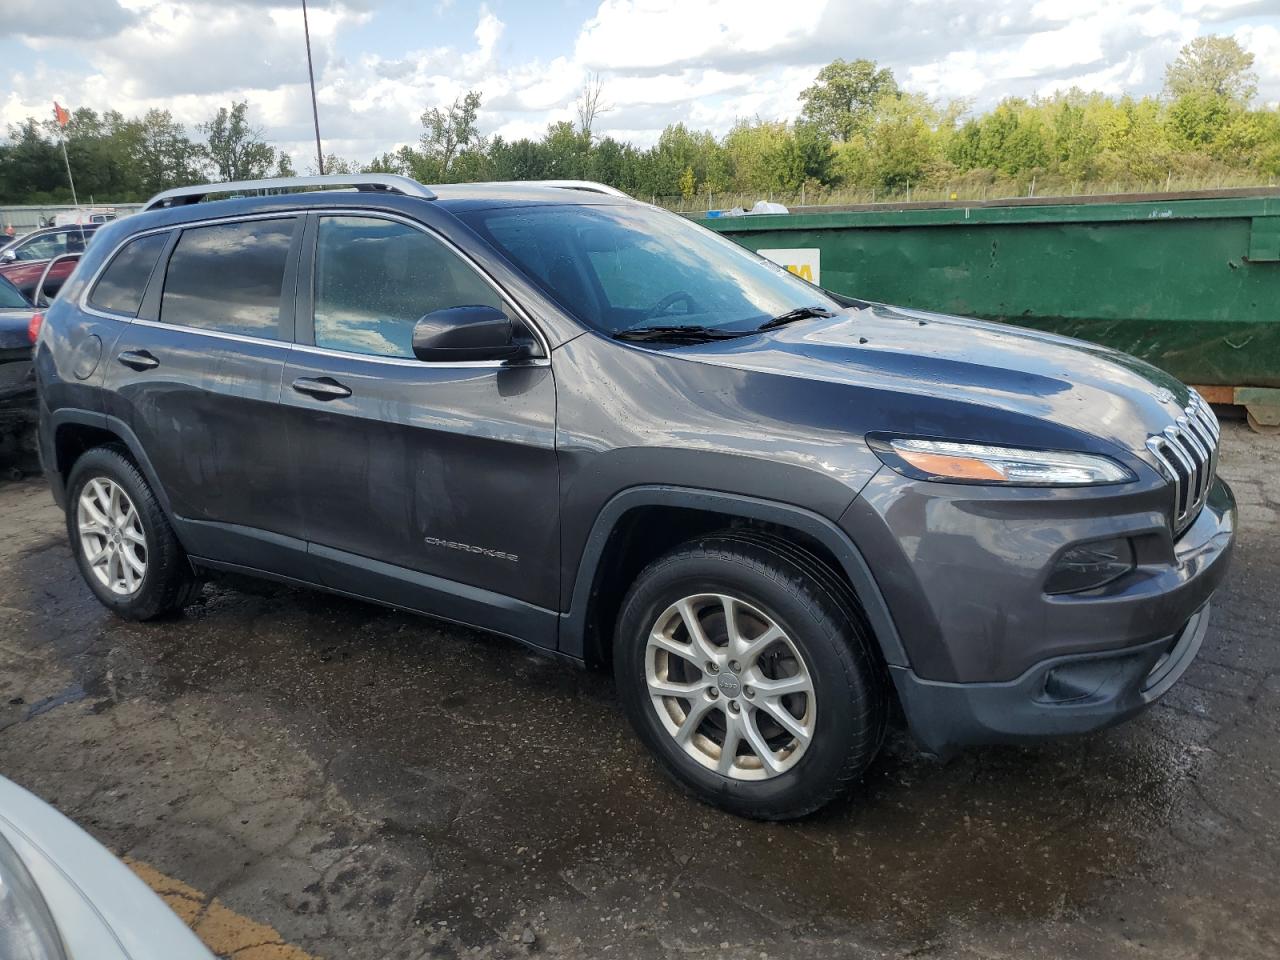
{"x":1198,"y":115}
{"x":688,"y":184}
{"x":564,"y":151}
{"x":449,"y":131}
{"x":844,"y":95}
{"x":162,"y":153}
{"x":234,"y":148}
{"x":903,"y":148}
{"x":1213,"y":65}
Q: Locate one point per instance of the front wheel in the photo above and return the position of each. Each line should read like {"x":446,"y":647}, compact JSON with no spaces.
{"x":746,"y":669}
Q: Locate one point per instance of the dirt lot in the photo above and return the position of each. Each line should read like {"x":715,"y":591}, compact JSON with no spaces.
{"x":309,"y":776}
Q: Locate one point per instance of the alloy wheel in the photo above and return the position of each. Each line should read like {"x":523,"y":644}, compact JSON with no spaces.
{"x":111,"y":536}
{"x":730,"y":687}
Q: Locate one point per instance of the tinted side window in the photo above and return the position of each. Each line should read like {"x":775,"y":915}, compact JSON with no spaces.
{"x":10,"y":297}
{"x":120,"y":288}
{"x":229,"y":277}
{"x":376,"y":278}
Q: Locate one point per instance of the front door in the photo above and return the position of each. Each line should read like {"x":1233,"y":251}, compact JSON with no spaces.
{"x":429,"y":485}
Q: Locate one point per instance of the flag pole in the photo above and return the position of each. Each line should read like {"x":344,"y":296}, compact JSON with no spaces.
{"x":58,"y":114}
{"x":71,"y":180}
{"x":315,"y":111}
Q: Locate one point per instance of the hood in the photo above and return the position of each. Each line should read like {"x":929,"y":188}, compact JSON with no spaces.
{"x":969,"y":376}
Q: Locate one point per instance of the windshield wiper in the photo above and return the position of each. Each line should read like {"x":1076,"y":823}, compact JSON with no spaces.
{"x":691,"y":333}
{"x":799,"y":313}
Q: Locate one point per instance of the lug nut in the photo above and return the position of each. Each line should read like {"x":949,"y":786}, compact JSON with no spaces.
{"x":748,"y":692}
{"x":711,"y":667}
{"x":735,"y":666}
{"x":713,"y":693}
{"x":733,"y":706}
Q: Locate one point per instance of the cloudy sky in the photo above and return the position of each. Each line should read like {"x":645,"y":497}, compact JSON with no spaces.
{"x":379,"y":63}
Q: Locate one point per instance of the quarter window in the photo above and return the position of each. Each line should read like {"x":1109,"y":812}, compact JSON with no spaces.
{"x":376,"y":278}
{"x":122,"y":284}
{"x":229,"y":277}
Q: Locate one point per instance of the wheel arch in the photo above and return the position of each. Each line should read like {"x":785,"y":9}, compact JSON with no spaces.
{"x":73,"y":432}
{"x":605,"y":567}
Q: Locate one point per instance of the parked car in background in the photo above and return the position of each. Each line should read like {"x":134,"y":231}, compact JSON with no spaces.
{"x":22,"y":261}
{"x":94,"y":215}
{"x":64,"y":897}
{"x":17,"y":381}
{"x":557,"y":413}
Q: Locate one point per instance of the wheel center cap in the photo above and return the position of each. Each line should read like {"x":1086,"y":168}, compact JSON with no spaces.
{"x":729,"y":684}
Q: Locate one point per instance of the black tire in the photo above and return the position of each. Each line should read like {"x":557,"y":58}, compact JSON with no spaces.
{"x":168,"y":583}
{"x":819,"y":614}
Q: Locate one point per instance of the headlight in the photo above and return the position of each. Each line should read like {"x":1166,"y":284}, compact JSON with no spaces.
{"x":27,"y":930}
{"x":953,"y":462}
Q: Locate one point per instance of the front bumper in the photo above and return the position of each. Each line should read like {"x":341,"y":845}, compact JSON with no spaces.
{"x":1060,"y":696}
{"x":989,"y":656}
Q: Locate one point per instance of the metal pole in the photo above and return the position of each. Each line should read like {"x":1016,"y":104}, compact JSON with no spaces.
{"x":71,"y":180}
{"x":315,"y":111}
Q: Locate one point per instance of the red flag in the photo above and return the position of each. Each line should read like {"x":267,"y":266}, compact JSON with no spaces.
{"x":63,"y":115}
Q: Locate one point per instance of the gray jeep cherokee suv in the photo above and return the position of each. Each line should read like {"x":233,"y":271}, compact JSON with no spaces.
{"x":555,"y":413}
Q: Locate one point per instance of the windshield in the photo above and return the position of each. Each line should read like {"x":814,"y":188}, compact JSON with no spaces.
{"x":634,"y":267}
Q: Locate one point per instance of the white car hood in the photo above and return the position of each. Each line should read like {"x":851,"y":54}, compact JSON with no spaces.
{"x":102,"y":909}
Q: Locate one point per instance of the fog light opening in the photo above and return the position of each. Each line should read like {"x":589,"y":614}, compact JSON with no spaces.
{"x":1088,"y":566}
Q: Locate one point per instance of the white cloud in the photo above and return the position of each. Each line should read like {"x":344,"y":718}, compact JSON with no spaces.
{"x":63,"y":18}
{"x":1263,"y":41}
{"x":654,"y":34}
{"x":705,"y":63}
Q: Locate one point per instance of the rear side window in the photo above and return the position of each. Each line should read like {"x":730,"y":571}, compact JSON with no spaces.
{"x":122,"y":284}
{"x":9,"y":295}
{"x":376,"y":278}
{"x":229,"y":277}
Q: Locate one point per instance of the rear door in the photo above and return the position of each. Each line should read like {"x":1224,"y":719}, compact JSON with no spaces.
{"x":197,"y":375}
{"x":418,"y":480}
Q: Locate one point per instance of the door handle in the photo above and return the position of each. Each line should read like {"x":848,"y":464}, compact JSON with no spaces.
{"x":322,"y":388}
{"x":138,"y":360}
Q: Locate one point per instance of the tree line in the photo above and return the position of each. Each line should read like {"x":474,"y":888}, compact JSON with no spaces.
{"x":856,"y":129}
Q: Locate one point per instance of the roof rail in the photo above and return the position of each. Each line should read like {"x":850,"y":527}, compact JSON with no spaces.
{"x":390,"y":182}
{"x":590,"y":186}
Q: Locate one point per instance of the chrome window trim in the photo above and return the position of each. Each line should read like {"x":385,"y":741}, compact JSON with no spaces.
{"x":545,"y":360}
{"x":217,"y":334}
{"x":412,"y":362}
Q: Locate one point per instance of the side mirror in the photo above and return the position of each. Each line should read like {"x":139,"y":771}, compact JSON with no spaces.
{"x":9,"y":256}
{"x":458,"y":334}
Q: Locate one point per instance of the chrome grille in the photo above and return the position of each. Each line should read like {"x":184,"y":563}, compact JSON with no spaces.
{"x":1187,"y":452}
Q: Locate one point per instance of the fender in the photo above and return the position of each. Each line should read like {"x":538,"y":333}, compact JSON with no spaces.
{"x":103,"y":421}
{"x":573,"y":623}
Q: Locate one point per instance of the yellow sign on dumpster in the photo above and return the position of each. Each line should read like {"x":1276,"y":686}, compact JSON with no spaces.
{"x":805,"y":262}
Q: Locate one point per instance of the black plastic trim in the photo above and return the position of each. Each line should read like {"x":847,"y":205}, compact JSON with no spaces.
{"x":573,"y":623}
{"x":945,"y":716}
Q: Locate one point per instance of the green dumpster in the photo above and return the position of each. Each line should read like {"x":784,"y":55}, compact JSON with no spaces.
{"x":1190,"y":283}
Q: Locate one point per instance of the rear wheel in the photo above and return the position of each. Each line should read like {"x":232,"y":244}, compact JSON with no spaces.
{"x":123,"y":544}
{"x":749,"y":677}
